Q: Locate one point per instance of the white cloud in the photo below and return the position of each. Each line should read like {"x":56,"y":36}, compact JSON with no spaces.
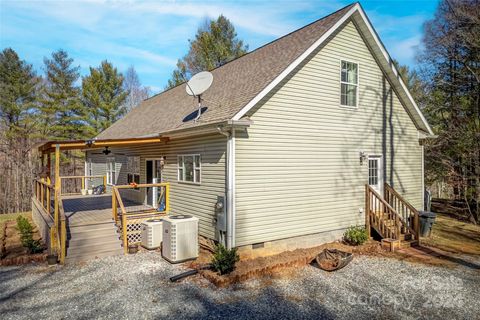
{"x":404,"y":51}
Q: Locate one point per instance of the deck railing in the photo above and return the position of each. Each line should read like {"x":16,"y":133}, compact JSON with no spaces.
{"x":70,"y":185}
{"x":380,"y":215}
{"x":129,"y":223}
{"x":407,"y":212}
{"x":44,"y":191}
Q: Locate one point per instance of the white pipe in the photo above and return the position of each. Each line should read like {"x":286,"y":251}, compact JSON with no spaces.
{"x":230,"y":159}
{"x":231,"y":180}
{"x":423,"y":177}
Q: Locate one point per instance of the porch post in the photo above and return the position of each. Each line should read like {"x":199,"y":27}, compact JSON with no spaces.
{"x":49,"y":167}
{"x":57,"y":182}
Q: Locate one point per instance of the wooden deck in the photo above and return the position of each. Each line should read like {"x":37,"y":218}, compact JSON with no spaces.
{"x":94,"y":209}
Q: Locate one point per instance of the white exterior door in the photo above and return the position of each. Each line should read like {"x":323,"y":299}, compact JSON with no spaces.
{"x":153,"y":171}
{"x":375,"y":173}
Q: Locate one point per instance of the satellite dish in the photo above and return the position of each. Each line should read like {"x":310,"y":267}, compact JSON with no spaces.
{"x":199,"y":83}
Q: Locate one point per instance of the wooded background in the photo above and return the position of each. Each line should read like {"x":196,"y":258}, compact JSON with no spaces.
{"x":58,"y":104}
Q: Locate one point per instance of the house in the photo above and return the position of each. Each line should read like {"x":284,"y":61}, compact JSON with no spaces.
{"x":301,"y":139}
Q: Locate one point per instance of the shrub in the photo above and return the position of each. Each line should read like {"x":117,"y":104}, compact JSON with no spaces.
{"x":355,"y":235}
{"x":224,"y":260}
{"x":26,"y":235}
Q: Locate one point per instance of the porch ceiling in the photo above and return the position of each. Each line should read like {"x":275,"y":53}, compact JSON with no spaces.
{"x":49,"y":147}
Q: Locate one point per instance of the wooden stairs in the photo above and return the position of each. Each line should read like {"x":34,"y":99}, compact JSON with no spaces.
{"x":392,"y":217}
{"x":89,"y":241}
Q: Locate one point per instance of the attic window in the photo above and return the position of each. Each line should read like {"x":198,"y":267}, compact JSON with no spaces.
{"x":349,"y":84}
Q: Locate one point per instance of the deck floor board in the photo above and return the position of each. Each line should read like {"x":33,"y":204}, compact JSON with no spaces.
{"x":94,"y":209}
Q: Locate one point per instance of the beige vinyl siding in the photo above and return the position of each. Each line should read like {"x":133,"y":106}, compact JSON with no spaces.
{"x":99,"y":167}
{"x":298,"y":170}
{"x":185,"y":198}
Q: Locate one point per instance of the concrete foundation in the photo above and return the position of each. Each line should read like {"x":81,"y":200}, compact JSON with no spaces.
{"x":289,"y":244}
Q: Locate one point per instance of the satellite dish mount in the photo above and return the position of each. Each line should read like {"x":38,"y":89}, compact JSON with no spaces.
{"x":197,"y":85}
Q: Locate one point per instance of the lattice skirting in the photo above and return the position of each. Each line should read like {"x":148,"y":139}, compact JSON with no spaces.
{"x":134,"y":227}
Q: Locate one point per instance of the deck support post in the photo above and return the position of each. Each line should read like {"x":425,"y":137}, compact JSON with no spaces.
{"x":56,"y":192}
{"x":114,"y":206}
{"x":367,"y":211}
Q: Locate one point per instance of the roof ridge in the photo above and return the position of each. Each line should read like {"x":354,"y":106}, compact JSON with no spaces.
{"x":265,"y":45}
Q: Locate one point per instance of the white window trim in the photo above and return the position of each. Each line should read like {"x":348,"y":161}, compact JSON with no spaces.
{"x":111,"y":180}
{"x":357,"y":84}
{"x":194,"y":169}
{"x":380,"y":172}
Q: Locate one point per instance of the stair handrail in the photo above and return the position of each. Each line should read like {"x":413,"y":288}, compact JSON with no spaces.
{"x":118,"y":202}
{"x":416,"y":230}
{"x":398,"y":219}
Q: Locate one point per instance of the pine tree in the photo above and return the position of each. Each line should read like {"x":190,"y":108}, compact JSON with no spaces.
{"x":61,"y":111}
{"x":215,"y":44}
{"x":17,"y":93}
{"x":103,"y":96}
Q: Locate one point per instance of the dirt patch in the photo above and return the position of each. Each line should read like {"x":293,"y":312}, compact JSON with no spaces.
{"x":283,"y":263}
{"x":11,"y":248}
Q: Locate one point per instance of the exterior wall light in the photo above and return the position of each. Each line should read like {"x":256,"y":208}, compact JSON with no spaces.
{"x":363,"y":157}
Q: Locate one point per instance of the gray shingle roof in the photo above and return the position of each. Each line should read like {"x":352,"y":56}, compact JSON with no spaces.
{"x":234,"y":85}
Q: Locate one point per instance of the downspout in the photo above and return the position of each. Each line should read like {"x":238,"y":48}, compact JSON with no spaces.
{"x":423,"y":177}
{"x":230,"y":186}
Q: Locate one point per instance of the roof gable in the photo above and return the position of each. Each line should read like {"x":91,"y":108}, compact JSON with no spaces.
{"x":240,"y":84}
{"x":234,"y":85}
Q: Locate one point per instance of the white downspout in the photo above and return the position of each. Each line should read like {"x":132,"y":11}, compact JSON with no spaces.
{"x":230,"y":158}
{"x":423,"y":177}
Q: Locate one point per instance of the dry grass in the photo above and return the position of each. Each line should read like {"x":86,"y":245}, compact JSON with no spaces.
{"x":452,"y":235}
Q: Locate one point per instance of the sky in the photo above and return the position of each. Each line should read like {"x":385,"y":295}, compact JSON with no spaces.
{"x":152,"y":35}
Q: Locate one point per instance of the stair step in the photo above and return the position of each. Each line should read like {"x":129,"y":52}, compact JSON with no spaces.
{"x":92,"y":233}
{"x":408,"y":243}
{"x":91,"y":227}
{"x":89,"y":250}
{"x":91,"y":256}
{"x":98,"y":240}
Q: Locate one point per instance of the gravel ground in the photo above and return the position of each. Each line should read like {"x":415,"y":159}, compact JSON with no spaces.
{"x":137,"y":287}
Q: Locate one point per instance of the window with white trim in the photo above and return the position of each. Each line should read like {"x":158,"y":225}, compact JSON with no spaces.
{"x":111,"y":171}
{"x":349,"y":84}
{"x":189,"y":168}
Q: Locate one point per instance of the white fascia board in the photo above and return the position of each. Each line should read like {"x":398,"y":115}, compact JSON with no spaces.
{"x":323,"y":38}
{"x":294,"y":64}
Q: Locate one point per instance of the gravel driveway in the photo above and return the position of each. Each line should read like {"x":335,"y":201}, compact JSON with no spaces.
{"x":137,"y":287}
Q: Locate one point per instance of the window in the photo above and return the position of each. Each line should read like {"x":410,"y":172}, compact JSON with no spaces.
{"x":189,"y":168}
{"x":373,"y":172}
{"x":349,"y":84}
{"x":111,"y":171}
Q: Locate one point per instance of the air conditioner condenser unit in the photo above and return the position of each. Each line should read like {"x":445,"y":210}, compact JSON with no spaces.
{"x":152,"y":233}
{"x":180,"y":238}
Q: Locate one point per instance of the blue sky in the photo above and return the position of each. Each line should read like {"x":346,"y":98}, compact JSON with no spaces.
{"x":152,"y":35}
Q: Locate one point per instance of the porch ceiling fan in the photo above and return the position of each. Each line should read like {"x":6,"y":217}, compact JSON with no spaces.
{"x":106,"y":151}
